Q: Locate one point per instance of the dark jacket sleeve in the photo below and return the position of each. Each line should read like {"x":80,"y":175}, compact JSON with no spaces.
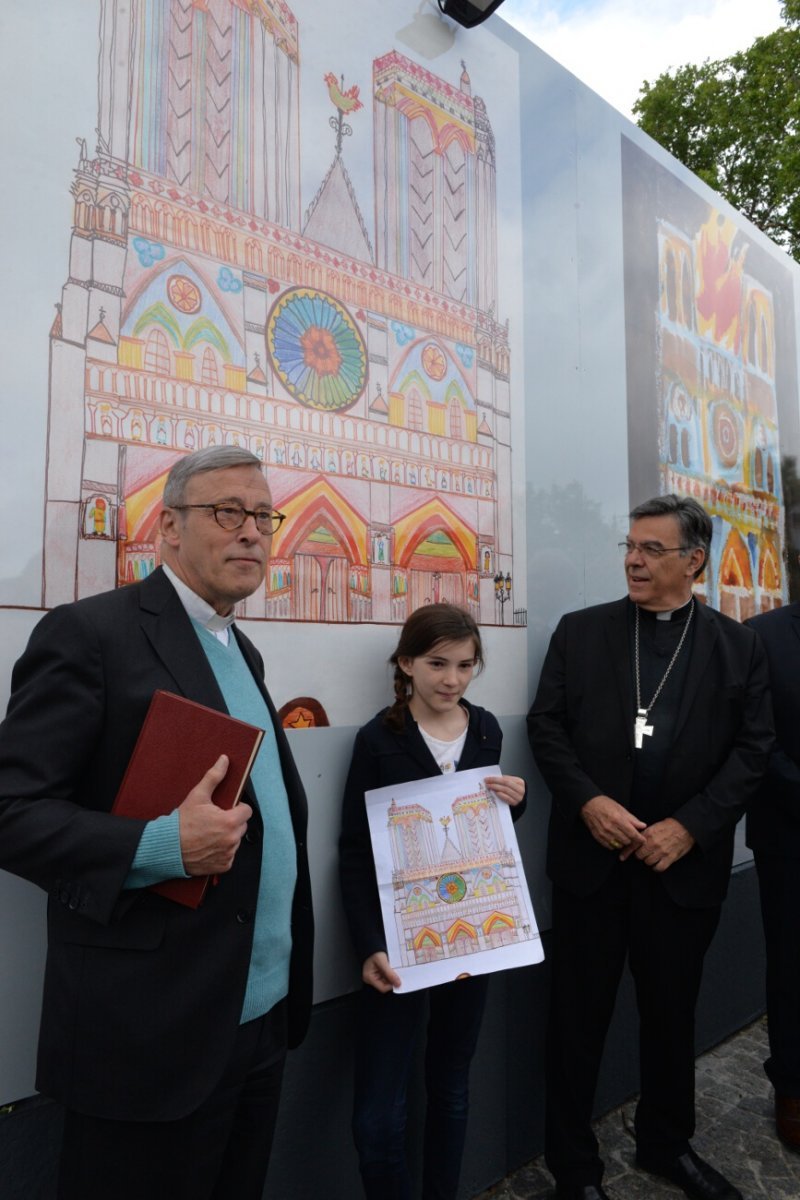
{"x":781,"y":785}
{"x":711,"y":813}
{"x":50,"y":834}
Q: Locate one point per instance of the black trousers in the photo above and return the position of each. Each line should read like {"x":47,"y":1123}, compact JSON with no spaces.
{"x":632,"y":916}
{"x":219,"y":1152}
{"x":779,"y":887}
{"x":389,"y":1026}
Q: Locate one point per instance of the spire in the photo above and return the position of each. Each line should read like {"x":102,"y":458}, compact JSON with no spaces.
{"x":450,"y":852}
{"x":99,"y":332}
{"x":334,"y":217}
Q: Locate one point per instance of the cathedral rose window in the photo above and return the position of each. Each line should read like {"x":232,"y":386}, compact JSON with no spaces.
{"x":316,"y":349}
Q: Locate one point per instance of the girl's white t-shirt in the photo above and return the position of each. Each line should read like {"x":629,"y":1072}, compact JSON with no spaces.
{"x":446,"y":754}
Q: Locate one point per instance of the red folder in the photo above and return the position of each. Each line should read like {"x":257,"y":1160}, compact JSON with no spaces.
{"x":178,"y":742}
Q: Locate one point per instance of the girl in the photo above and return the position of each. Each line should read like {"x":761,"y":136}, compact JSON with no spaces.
{"x":429,"y":728}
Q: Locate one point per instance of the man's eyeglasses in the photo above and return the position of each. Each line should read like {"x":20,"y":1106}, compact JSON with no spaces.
{"x":649,"y":549}
{"x":233,"y":516}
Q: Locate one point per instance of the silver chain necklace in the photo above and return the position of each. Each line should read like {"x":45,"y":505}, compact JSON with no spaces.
{"x":640,"y":726}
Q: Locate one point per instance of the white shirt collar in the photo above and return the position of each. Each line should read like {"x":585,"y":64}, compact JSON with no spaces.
{"x":669,"y":613}
{"x":199,"y":609}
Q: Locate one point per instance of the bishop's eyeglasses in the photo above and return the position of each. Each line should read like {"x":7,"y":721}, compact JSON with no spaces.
{"x":233,"y":516}
{"x":649,"y":549}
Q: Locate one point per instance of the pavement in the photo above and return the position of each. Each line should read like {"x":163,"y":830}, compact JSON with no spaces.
{"x":735,"y":1133}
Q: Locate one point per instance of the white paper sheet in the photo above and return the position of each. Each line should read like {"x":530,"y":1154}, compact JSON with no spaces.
{"x":453,"y":893}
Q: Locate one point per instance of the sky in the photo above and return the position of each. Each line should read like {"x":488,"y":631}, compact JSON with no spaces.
{"x":613,"y":45}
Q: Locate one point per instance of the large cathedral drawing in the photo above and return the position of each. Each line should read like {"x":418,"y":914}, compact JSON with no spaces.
{"x":361,"y":357}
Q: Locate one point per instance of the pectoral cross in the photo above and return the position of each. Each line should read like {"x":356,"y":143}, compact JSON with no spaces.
{"x":640,"y":728}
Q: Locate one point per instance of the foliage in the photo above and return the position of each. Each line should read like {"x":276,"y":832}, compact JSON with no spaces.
{"x":735,"y":122}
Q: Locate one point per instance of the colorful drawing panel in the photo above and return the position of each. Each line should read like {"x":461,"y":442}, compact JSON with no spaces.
{"x":712,"y":380}
{"x":224,"y":308}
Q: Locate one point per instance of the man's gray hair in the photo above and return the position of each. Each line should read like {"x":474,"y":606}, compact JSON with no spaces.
{"x":215,"y":458}
{"x":694,"y":522}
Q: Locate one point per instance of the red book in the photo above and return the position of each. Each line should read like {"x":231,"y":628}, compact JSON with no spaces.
{"x":178,"y":742}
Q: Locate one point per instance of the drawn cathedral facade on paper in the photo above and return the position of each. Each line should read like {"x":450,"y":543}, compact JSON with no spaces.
{"x":457,"y":892}
{"x":718,"y":412}
{"x":366,"y":366}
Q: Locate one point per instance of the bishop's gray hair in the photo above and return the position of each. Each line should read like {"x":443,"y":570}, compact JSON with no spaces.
{"x":693,"y":521}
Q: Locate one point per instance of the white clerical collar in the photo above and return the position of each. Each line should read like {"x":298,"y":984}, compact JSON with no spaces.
{"x":669,"y":613}
{"x":199,"y":609}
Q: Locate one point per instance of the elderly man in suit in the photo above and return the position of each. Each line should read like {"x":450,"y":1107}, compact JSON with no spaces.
{"x":164,"y":1029}
{"x":652,"y":727}
{"x":773,"y":832}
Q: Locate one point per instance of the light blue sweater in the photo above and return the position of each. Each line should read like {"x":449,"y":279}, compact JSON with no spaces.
{"x":158,"y":856}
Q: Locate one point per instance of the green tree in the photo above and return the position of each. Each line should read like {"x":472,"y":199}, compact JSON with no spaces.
{"x":735,"y":122}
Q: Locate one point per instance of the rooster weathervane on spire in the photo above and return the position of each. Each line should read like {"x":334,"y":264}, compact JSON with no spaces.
{"x":345,"y":102}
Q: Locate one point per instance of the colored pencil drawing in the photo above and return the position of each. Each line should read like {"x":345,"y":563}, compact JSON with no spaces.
{"x":712,"y":377}
{"x":453,"y":891}
{"x":364,"y":361}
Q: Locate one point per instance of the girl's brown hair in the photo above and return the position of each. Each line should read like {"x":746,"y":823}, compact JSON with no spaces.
{"x":425,"y":629}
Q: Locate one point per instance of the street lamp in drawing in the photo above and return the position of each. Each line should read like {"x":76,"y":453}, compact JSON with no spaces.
{"x":502,"y":593}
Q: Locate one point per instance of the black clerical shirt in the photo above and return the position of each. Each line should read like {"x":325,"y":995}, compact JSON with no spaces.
{"x":658,"y":639}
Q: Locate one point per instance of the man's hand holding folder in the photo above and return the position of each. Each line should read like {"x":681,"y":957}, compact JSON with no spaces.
{"x":176,"y":740}
{"x":210,"y":835}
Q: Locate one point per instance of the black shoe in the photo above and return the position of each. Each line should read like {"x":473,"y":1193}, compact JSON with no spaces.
{"x":787,"y":1120}
{"x":695,"y":1177}
{"x":580,"y":1191}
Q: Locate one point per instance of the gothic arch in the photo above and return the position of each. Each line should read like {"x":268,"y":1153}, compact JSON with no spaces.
{"x":426,"y":937}
{"x":498,"y":920}
{"x":433,"y":517}
{"x":770,"y":580}
{"x":157,"y":357}
{"x":253,"y":255}
{"x":320,"y":504}
{"x":224,"y":338}
{"x":736,"y":598}
{"x":461,"y":929}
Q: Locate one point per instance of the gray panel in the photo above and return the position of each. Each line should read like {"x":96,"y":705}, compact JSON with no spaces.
{"x":323,"y":756}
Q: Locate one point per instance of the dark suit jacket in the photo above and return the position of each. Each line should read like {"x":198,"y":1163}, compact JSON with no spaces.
{"x":581,"y":732}
{"x":773,"y":824}
{"x":142,"y":996}
{"x":382,"y":756}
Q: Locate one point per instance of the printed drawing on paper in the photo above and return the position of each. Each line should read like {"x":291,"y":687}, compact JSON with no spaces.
{"x":454,"y":897}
